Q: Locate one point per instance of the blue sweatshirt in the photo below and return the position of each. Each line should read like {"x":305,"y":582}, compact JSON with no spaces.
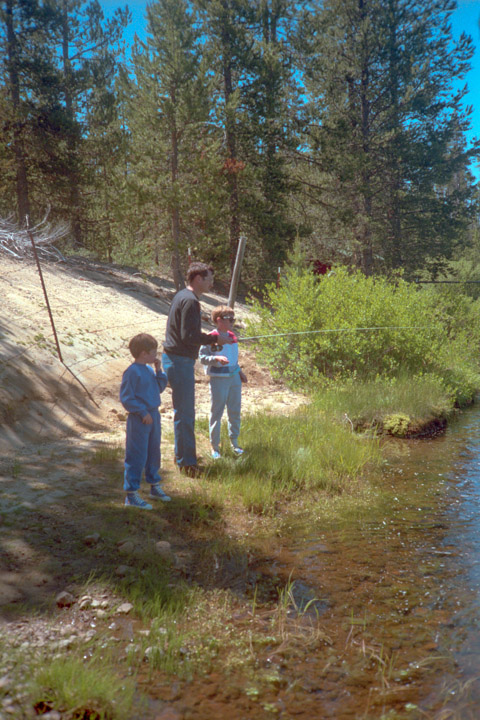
{"x":140,"y":389}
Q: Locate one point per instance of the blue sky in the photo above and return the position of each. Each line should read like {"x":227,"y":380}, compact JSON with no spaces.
{"x":464,"y":19}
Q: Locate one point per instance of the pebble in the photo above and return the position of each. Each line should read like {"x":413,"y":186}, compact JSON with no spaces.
{"x":126,"y":548}
{"x":164,"y":549}
{"x":85,"y":602}
{"x":123,"y":570}
{"x":64,"y":599}
{"x":91,"y":539}
{"x":124,"y":608}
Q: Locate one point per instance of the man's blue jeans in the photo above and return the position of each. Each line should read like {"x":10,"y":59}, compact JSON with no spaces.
{"x":181,"y":376}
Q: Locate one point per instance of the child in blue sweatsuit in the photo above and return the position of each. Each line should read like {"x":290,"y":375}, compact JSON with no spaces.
{"x":140,"y":396}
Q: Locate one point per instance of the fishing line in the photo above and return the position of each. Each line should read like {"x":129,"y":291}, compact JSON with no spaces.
{"x":339,"y":330}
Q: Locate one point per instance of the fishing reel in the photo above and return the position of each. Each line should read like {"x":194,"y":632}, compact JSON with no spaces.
{"x":216,"y":347}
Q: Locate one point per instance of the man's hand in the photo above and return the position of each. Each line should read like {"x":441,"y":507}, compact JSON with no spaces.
{"x":147,"y":420}
{"x":243,"y":377}
{"x":221,"y":359}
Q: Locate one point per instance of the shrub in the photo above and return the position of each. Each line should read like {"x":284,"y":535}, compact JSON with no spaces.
{"x":357,"y":327}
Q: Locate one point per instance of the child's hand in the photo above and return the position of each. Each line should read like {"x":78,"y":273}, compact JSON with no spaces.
{"x":147,"y":420}
{"x":222,"y":359}
{"x":243,"y":377}
{"x":158,"y":364}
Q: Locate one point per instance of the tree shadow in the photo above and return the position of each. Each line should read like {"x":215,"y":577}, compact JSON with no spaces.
{"x":48,"y":539}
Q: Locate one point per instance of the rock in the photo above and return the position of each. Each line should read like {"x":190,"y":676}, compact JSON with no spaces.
{"x":124,"y":609}
{"x":164,"y":549}
{"x":64,"y":599}
{"x":101,"y":613}
{"x":85,"y":602}
{"x":123,"y":570}
{"x":91,"y":539}
{"x":151,"y":652}
{"x":126,"y":548}
{"x":5,"y":682}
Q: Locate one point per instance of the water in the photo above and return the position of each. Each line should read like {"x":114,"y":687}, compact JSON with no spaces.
{"x":404,"y":582}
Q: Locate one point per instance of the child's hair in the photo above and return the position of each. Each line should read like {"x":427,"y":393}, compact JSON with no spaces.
{"x":142,"y":342}
{"x":220,"y":311}
{"x":198,"y":268}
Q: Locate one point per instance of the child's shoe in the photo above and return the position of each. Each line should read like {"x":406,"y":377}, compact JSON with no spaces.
{"x":156,"y":491}
{"x":134,"y":500}
{"x":238,"y":450}
{"x":216,"y":455}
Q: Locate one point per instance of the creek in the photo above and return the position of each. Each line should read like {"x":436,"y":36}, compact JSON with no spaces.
{"x":399,"y":588}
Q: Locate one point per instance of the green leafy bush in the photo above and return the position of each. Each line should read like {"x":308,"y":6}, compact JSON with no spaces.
{"x":351,"y":326}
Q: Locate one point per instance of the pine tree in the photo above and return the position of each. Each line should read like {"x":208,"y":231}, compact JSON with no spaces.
{"x":383,"y":118}
{"x":174,"y":172}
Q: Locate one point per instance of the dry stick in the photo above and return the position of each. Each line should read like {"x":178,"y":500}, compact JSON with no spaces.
{"x":51,"y":316}
{"x":236,"y":271}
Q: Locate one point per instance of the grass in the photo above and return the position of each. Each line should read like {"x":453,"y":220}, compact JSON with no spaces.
{"x":288,"y":456}
{"x":83,"y":689}
{"x":364,"y":404}
{"x":106,"y":454}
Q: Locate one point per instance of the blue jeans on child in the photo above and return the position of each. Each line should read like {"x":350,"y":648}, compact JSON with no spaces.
{"x":225,"y":391}
{"x":142,"y":451}
{"x":181,"y":376}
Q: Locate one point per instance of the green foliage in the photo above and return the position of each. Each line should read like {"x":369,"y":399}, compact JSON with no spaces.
{"x":289,"y":454}
{"x":91,"y":689}
{"x":370,"y":403}
{"x":359,"y":327}
{"x":397,"y":424}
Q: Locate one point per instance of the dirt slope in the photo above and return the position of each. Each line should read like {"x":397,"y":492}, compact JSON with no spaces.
{"x":96,"y":308}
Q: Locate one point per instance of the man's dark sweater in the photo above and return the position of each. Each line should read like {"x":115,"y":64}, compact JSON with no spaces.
{"x":184,"y":326}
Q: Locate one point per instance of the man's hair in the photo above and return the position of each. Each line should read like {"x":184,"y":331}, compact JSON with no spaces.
{"x":220,"y":311}
{"x":198,"y":268}
{"x":141,"y":342}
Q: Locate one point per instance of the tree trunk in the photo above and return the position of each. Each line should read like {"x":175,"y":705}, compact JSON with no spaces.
{"x":74,"y":192}
{"x":23,"y":203}
{"x":231,"y":142}
{"x":175,"y":217}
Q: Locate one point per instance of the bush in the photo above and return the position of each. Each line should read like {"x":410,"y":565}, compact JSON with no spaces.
{"x":358,"y":327}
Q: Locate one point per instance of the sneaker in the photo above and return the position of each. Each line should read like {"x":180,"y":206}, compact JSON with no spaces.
{"x":134,"y":500}
{"x":216,"y":455}
{"x":156,"y":491}
{"x":192,"y":471}
{"x":238,"y":450}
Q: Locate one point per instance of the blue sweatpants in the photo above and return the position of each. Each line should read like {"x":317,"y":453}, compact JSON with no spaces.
{"x":225,"y":391}
{"x":142,"y":451}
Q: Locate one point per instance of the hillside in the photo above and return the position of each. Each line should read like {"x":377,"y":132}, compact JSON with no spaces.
{"x":96,"y":309}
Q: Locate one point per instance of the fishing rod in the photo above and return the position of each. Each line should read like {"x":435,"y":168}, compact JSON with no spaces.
{"x":218,"y":346}
{"x":338,"y":330}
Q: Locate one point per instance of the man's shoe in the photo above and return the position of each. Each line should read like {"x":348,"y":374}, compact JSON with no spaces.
{"x":157,"y":492}
{"x":134,"y":500}
{"x":216,"y":455}
{"x":192,"y":471}
{"x":238,"y":450}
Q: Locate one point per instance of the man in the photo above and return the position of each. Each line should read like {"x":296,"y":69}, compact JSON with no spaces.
{"x":183,"y":339}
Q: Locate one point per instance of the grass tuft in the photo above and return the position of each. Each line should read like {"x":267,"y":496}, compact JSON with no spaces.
{"x":76,"y":687}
